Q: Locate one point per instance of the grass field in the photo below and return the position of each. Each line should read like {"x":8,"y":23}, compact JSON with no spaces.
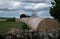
{"x":3,"y":19}
{"x":6,"y":26}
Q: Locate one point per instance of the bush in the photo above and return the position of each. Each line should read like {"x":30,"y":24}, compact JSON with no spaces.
{"x":24,"y":26}
{"x":11,"y":19}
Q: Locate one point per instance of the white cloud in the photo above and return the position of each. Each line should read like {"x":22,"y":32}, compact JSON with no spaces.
{"x":41,"y":5}
{"x":35,"y":6}
{"x":28,"y":7}
{"x":9,"y":4}
{"x":41,"y":12}
{"x":22,"y":12}
{"x":25,"y":5}
{"x":15,"y":4}
{"x":44,"y":14}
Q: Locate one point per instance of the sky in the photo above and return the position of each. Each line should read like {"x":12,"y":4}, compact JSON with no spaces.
{"x":14,"y":8}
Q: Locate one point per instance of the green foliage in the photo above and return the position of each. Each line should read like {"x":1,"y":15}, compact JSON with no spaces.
{"x":5,"y":26}
{"x":24,"y":26}
{"x":55,"y":9}
{"x":22,"y":16}
{"x":11,"y":19}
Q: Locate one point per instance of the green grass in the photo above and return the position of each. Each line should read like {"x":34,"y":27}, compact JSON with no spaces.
{"x":6,"y":26}
{"x":3,"y":19}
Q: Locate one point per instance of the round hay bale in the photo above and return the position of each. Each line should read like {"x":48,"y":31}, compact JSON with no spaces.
{"x":49,"y":25}
{"x":41,"y":24}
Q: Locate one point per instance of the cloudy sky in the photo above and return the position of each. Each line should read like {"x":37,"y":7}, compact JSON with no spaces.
{"x":13,"y":8}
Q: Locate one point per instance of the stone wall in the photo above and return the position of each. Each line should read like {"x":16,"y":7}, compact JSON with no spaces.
{"x":30,"y":34}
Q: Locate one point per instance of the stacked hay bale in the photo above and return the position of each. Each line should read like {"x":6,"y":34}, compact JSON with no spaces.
{"x":41,"y":24}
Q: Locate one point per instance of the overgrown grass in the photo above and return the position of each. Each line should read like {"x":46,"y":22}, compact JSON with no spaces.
{"x":6,"y":26}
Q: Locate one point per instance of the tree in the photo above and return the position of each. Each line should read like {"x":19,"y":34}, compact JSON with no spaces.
{"x":22,"y":16}
{"x":55,"y":9}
